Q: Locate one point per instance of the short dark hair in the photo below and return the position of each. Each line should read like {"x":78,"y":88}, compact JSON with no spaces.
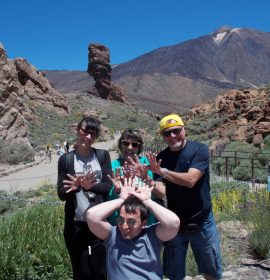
{"x":132,"y":203}
{"x":91,"y":123}
{"x":131,"y":133}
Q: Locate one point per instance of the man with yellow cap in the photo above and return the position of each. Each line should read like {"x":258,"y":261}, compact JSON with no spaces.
{"x":184,"y":168}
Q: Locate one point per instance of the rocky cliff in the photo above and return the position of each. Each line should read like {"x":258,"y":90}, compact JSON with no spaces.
{"x":22,"y":90}
{"x":245,"y":114}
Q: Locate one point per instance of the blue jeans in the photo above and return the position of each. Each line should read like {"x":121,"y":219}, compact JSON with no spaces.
{"x":205,"y":244}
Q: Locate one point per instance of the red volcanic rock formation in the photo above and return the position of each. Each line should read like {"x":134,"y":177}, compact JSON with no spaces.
{"x":22,"y":88}
{"x":246,"y":115}
{"x":100,"y":69}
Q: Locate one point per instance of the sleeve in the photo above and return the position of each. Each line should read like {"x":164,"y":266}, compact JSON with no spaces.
{"x":106,"y":169}
{"x":201,"y":158}
{"x":62,"y":175}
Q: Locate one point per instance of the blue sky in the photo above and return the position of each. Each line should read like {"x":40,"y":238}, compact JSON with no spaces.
{"x":55,"y":34}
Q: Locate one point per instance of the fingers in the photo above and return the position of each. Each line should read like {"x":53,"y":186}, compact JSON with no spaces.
{"x":118,"y":171}
{"x":90,"y":176}
{"x":72,"y":178}
{"x":71,"y":189}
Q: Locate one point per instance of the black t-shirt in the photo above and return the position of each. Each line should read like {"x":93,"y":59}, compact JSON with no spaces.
{"x":191,"y":205}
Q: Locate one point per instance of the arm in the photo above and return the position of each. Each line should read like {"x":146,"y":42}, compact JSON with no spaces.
{"x":96,"y":217}
{"x":169,"y":223}
{"x":185,"y":179}
{"x":62,"y":175}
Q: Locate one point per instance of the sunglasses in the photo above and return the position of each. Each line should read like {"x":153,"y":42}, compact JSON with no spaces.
{"x":133,"y":144}
{"x":175,"y":131}
{"x":85,"y":132}
{"x":121,"y":221}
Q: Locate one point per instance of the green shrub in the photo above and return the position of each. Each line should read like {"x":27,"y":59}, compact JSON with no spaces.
{"x":227,"y":199}
{"x":243,"y":149}
{"x":32,"y":245}
{"x":257,"y":216}
{"x":14,"y":153}
{"x":264,"y":156}
{"x":266,"y":141}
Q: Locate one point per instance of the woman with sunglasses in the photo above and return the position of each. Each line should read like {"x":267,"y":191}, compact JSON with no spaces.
{"x":130,"y":145}
{"x":82,"y":183}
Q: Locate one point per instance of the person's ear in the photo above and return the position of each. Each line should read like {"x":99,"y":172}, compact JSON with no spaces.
{"x":144,"y":222}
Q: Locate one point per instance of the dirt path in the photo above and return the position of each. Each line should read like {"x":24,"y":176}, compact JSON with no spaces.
{"x":35,"y":176}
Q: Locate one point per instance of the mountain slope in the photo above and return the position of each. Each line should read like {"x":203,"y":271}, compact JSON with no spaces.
{"x":227,"y":55}
{"x":227,"y":58}
{"x":181,"y":76}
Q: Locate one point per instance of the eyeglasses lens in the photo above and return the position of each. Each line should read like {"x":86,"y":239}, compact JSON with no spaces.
{"x":121,"y":221}
{"x":175,"y":131}
{"x":133,"y":144}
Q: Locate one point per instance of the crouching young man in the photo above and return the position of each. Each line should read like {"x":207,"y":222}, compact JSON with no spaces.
{"x":133,"y":249}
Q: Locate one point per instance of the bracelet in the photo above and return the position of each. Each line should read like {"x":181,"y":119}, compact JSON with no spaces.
{"x":165,"y":173}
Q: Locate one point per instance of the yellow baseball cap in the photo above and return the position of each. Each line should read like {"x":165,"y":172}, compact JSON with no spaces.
{"x":169,"y":121}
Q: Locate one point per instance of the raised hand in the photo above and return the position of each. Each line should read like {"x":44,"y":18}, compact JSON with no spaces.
{"x":143,"y":193}
{"x":88,"y":180}
{"x":128,"y":170}
{"x":73,"y":183}
{"x":154,"y":166}
{"x":138,"y":169}
{"x":128,"y":188}
{"x":117,"y":180}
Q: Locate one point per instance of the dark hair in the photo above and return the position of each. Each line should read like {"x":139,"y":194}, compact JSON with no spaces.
{"x":91,"y":123}
{"x":131,"y":133}
{"x":132,"y":203}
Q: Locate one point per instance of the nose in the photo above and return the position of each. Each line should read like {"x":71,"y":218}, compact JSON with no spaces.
{"x":89,"y":136}
{"x":125,"y":225}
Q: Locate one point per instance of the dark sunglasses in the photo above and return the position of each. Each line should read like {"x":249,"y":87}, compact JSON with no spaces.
{"x":133,"y":144}
{"x":175,"y":131}
{"x":121,"y":221}
{"x":84,"y":131}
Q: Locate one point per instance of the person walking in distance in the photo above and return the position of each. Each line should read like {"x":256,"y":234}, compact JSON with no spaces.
{"x":184,"y":168}
{"x":49,"y":154}
{"x":83,"y":182}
